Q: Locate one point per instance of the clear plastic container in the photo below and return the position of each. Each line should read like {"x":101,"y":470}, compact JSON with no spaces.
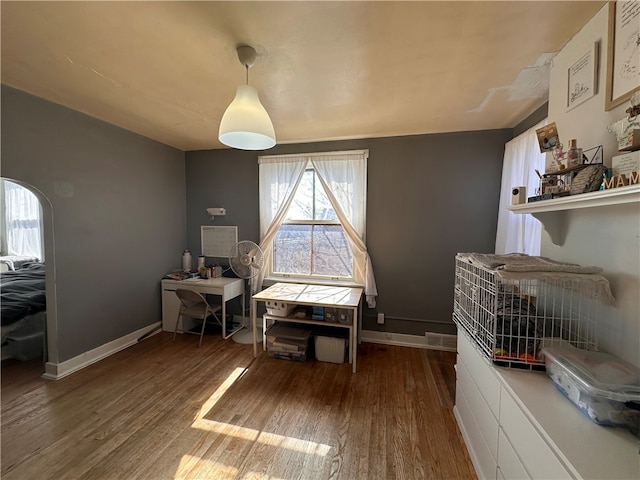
{"x":605,"y":387}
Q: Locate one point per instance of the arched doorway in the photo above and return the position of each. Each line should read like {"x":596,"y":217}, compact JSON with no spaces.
{"x":50,"y":352}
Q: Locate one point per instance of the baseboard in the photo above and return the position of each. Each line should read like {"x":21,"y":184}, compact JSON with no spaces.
{"x":400,"y":339}
{"x":56,"y":371}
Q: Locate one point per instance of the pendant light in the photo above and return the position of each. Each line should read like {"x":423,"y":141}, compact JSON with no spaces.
{"x":246,"y":124}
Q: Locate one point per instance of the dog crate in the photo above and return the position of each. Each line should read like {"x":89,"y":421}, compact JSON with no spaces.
{"x":511,"y":319}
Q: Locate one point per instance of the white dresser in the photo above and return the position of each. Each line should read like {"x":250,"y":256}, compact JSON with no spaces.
{"x":517,"y":425}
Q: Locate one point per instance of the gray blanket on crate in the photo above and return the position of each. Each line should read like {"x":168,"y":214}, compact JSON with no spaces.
{"x":519,"y":266}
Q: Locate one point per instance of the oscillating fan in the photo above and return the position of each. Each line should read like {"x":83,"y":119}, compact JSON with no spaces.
{"x":246,"y":261}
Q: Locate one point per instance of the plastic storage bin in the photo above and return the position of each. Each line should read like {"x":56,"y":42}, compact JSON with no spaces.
{"x":603,"y":386}
{"x":26,"y":347}
{"x":330,"y":349}
{"x":289,"y":342}
{"x":276,"y":307}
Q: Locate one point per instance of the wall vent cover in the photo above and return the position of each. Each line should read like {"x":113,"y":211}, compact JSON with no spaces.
{"x":440,"y":341}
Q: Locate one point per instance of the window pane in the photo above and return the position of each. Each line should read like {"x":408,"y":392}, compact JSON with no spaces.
{"x":302,"y":205}
{"x":331,"y":254}
{"x":292,"y":250}
{"x":310,"y":201}
{"x":323,"y":210}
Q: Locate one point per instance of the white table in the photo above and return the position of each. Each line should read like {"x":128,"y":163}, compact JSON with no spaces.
{"x":225,"y":287}
{"x":348,"y":298}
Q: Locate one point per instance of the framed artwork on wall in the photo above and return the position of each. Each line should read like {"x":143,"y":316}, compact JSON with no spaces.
{"x":583,"y":78}
{"x":623,"y":52}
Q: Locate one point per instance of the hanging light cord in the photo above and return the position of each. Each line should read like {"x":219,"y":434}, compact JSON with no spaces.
{"x":247,"y":69}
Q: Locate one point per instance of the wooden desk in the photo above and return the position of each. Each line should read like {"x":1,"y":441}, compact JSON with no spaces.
{"x":348,"y":298}
{"x":225,"y":287}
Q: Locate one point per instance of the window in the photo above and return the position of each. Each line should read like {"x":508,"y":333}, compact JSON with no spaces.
{"x":515,"y":232}
{"x":21,"y":222}
{"x":312,"y":218}
{"x":311,"y":241}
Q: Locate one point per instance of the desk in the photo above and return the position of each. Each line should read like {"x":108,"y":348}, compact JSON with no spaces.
{"x":314,"y":296}
{"x":225,"y":287}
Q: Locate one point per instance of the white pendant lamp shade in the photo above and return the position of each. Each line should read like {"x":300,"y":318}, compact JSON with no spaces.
{"x":246,"y":124}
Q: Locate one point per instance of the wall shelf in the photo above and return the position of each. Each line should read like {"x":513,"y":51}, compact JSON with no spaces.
{"x":551,"y":213}
{"x":613,"y":196}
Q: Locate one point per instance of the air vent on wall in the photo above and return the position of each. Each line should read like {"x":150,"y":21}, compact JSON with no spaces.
{"x":440,"y":341}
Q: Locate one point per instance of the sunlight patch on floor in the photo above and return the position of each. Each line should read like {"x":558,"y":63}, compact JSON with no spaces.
{"x":250,"y":434}
{"x":220,"y":391}
{"x":188,"y":462}
{"x":271,"y":439}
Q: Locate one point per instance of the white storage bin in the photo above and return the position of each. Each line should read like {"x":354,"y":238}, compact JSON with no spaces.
{"x":330,"y":349}
{"x":276,"y":307}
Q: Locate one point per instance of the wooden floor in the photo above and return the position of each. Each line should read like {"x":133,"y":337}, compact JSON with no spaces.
{"x":165,"y":410}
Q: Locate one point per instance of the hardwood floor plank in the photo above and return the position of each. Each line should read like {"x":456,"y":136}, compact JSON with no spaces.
{"x":170,"y":410}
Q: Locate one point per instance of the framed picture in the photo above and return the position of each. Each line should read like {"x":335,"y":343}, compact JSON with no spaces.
{"x":548,"y":138}
{"x":623,"y":52}
{"x":582,"y":78}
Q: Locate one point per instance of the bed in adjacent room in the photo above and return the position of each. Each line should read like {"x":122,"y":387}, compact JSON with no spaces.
{"x":23,"y":311}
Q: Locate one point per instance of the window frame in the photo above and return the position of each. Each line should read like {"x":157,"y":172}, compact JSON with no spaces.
{"x":271,"y":273}
{"x":276,"y":179}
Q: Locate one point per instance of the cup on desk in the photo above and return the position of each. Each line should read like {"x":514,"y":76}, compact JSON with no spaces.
{"x":205,"y":272}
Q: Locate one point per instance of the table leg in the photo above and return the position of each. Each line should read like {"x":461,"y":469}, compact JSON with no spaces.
{"x":354,"y":340}
{"x":254,"y":307}
{"x":224,"y":318}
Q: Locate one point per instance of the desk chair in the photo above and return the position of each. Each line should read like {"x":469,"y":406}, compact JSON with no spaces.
{"x":195,"y":305}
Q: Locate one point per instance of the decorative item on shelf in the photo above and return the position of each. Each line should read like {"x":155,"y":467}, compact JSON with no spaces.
{"x":588,"y":179}
{"x":550,"y":184}
{"x":627,"y":129}
{"x":593,"y":155}
{"x":634,"y":110}
{"x":548,"y":138}
{"x":574,"y":154}
{"x":518,"y":195}
{"x":625,"y":170}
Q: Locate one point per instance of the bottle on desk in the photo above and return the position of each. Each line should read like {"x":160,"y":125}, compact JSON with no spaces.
{"x":186,"y":260}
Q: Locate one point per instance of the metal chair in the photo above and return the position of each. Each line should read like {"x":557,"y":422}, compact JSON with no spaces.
{"x":195,"y":305}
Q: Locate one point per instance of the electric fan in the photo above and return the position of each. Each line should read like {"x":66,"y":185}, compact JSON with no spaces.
{"x":246,"y":261}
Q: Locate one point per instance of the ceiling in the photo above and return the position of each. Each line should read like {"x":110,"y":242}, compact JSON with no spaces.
{"x":325,"y":70}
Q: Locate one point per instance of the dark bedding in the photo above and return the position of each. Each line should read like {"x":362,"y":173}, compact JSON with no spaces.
{"x":22,"y":292}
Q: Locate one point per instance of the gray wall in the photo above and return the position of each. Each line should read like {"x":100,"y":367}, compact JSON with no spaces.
{"x":116,"y":220}
{"x":429,"y":197}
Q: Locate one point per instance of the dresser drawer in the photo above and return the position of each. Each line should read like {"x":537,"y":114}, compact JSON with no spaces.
{"x":481,"y":455}
{"x":509,"y":466}
{"x":478,"y":406}
{"x":481,"y":373}
{"x":533,"y":451}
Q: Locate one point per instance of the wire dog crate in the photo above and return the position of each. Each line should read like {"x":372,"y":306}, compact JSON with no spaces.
{"x":510,"y":321}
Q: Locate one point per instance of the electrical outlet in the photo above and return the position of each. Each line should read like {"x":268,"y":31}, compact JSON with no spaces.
{"x":381,"y":319}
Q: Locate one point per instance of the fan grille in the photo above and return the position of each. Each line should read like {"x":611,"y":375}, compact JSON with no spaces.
{"x":246,"y":259}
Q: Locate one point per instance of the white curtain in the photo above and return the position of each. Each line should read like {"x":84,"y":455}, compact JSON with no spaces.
{"x":343,"y":176}
{"x":520,"y":233}
{"x":279,"y":179}
{"x":22,"y":221}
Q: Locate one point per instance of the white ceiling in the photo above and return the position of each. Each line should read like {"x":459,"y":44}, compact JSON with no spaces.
{"x":325,"y":70}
